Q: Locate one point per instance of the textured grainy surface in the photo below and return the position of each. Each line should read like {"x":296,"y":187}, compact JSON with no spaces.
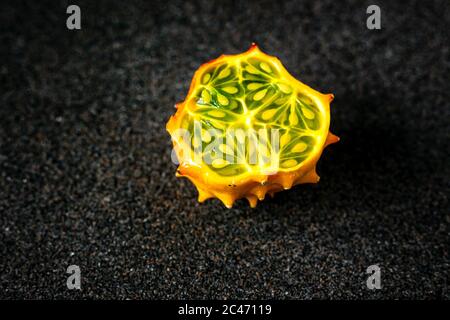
{"x":86,"y":177}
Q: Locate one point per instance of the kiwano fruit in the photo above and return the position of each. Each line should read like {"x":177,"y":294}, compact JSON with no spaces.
{"x":248,"y":128}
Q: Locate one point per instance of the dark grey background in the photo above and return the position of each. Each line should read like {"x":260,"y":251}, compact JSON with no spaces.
{"x":86,"y":176}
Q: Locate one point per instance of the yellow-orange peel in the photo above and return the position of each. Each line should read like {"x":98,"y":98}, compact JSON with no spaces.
{"x":248,"y":128}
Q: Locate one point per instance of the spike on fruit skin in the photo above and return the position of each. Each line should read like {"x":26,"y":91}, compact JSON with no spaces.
{"x":331,"y":138}
{"x":249,"y":91}
{"x":204,"y":195}
{"x":252,"y":200}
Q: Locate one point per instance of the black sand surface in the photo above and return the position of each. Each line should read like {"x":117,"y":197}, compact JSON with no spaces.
{"x":86,"y":176}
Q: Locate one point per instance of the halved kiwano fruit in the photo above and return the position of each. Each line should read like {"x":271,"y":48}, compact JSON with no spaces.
{"x":248,"y":128}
